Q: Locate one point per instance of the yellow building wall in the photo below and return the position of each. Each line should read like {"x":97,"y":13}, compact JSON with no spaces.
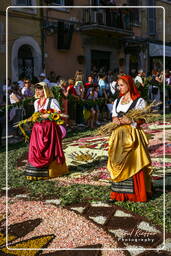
{"x":63,"y":62}
{"x":20,"y":23}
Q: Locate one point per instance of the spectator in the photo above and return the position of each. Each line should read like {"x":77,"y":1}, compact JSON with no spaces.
{"x":138,"y":79}
{"x":102,"y":85}
{"x":92,"y":94}
{"x":79,"y":88}
{"x":58,"y":80}
{"x":26,"y":90}
{"x":42,"y":78}
{"x":17,"y":112}
{"x":154,"y":89}
{"x":21,"y":81}
{"x":89,"y":83}
{"x":72,"y":102}
{"x":8,"y":88}
{"x":103,"y":94}
{"x":64,"y":93}
{"x":52,"y":77}
{"x":113,"y":86}
{"x":34,"y":80}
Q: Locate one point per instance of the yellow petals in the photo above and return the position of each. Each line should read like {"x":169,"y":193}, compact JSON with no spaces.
{"x":55,"y":116}
{"x":60,"y":122}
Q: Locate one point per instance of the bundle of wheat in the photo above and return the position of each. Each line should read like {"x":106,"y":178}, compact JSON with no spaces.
{"x":148,"y":114}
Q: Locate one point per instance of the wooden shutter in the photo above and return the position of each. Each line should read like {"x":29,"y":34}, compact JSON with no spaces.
{"x":65,"y":32}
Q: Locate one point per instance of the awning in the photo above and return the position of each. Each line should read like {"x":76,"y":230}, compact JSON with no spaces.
{"x":157,"y":50}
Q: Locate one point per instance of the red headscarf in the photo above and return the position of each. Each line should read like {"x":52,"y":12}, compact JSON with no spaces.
{"x":132,"y":87}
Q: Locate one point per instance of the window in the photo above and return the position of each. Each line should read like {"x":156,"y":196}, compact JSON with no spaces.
{"x":2,"y":38}
{"x":151,"y":18}
{"x":23,"y":2}
{"x":64,"y":36}
{"x":63,"y":2}
{"x":135,"y":12}
{"x":58,"y":2}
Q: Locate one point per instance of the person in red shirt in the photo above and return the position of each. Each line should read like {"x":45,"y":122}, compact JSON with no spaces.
{"x":72,"y":101}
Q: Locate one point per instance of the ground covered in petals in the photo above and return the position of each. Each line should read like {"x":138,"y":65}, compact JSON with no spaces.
{"x":71,"y":211}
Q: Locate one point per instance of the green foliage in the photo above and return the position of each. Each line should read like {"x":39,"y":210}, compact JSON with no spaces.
{"x":57,"y":94}
{"x":22,"y":103}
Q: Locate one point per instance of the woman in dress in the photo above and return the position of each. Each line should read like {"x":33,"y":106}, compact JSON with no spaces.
{"x":45,"y":158}
{"x":16,"y":113}
{"x":129,"y":161}
{"x":64,"y":92}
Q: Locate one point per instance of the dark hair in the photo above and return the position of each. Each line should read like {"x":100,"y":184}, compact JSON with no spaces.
{"x":38,"y":86}
{"x":14,"y":87}
{"x":102,"y":75}
{"x":34,"y":80}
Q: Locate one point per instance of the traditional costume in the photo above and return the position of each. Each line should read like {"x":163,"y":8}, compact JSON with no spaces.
{"x":129,"y":161}
{"x":46,"y":158}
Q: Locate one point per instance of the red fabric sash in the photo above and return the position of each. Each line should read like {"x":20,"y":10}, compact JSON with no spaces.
{"x":45,"y":144}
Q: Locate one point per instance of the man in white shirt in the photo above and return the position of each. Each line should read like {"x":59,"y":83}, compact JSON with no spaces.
{"x":138,"y":78}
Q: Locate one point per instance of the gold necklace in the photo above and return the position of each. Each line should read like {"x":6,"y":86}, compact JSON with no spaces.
{"x":125,"y":101}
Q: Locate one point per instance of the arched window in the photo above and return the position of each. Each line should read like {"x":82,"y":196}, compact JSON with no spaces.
{"x":25,"y":61}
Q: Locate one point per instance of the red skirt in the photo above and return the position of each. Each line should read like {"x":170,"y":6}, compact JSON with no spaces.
{"x":45,"y":151}
{"x":139,"y":195}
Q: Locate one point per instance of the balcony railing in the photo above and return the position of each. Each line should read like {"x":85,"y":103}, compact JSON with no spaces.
{"x":113,"y":18}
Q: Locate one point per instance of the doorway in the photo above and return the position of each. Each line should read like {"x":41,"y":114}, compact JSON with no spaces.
{"x":25,"y":61}
{"x":100,"y":60}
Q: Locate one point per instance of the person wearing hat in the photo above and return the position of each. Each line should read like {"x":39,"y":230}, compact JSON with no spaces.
{"x":43,"y":78}
{"x":45,"y":157}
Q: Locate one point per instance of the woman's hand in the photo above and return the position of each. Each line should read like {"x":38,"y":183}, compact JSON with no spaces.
{"x":116,"y":120}
{"x":125,"y":120}
{"x":45,"y":116}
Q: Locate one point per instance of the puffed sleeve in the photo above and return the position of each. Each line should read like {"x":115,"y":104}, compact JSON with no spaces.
{"x":55,"y":105}
{"x":114,"y":109}
{"x":141,"y":103}
{"x":36,"y":106}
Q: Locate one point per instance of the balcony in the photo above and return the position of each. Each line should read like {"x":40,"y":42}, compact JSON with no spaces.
{"x":116,"y":22}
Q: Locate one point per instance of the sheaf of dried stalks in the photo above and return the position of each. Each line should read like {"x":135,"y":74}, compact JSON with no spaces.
{"x":147,"y":113}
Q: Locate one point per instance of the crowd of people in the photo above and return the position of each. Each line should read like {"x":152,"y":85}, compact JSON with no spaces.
{"x":86,"y":100}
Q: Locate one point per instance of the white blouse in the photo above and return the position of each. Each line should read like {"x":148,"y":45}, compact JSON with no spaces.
{"x":54,"y":105}
{"x":141,"y":103}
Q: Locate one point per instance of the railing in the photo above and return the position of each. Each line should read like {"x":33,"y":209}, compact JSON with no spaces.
{"x":116,"y":18}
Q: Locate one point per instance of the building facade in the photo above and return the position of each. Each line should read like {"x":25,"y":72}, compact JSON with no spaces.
{"x":24,"y":39}
{"x":63,"y":37}
{"x":87,"y":38}
{"x":104,"y":37}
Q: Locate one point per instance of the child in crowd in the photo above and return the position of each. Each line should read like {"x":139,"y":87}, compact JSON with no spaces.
{"x":92,"y":94}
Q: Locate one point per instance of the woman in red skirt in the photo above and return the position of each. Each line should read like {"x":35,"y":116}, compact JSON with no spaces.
{"x":129,"y":162}
{"x":45,"y":158}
